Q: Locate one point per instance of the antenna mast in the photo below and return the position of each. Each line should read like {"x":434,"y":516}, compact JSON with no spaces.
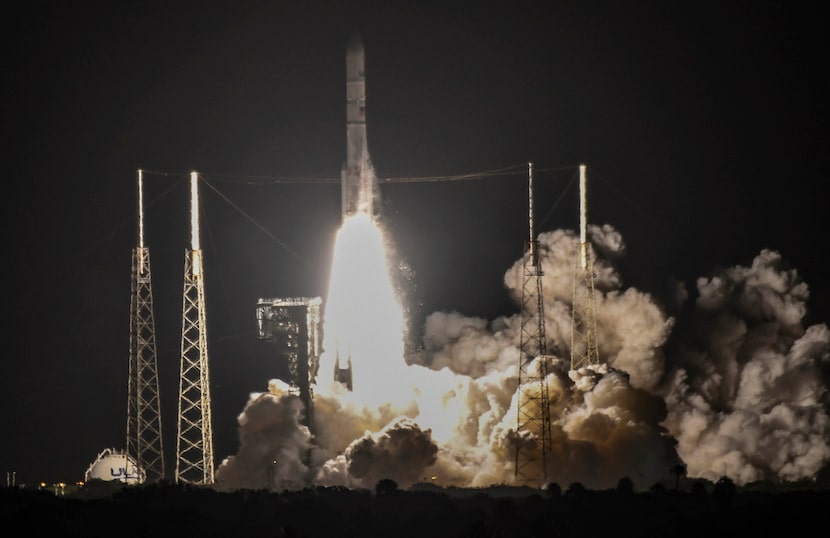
{"x":584,"y":351}
{"x":143,"y":409}
{"x":194,"y":447}
{"x":533,"y":435}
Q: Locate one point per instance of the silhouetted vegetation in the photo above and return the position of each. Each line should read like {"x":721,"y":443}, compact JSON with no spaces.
{"x":386,"y":486}
{"x":625,"y":486}
{"x":678,"y":471}
{"x":700,"y":509}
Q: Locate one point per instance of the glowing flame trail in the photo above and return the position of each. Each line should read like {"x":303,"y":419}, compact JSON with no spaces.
{"x":363,"y":317}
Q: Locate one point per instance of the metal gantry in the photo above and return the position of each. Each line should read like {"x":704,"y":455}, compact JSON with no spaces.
{"x":584,"y":350}
{"x":293,"y":324}
{"x":144,"y":434}
{"x":533,"y":433}
{"x":194,"y":447}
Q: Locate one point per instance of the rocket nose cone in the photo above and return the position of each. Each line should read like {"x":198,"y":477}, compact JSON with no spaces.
{"x":355,"y":45}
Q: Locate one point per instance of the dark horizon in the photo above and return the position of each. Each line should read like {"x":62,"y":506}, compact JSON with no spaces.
{"x":386,"y":509}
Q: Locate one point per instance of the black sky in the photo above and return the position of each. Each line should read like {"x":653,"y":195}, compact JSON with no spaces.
{"x":703,"y":125}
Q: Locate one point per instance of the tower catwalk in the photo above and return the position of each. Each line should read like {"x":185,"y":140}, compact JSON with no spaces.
{"x":584,"y":351}
{"x":194,"y":447}
{"x":533,"y":436}
{"x":143,"y":410}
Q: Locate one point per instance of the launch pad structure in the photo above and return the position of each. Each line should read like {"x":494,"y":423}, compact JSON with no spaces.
{"x":533,"y":434}
{"x":533,"y":430}
{"x":584,"y":349}
{"x":293,"y":325}
{"x":144,"y":439}
{"x":194,"y":446}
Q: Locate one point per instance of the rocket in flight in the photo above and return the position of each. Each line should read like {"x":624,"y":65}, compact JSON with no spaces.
{"x":359,"y":185}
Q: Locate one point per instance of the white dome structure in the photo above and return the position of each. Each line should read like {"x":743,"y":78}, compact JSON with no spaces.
{"x":113,"y":464}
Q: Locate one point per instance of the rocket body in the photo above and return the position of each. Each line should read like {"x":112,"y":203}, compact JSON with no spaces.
{"x":359,"y":185}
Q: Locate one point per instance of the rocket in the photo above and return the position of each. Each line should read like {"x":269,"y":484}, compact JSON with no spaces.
{"x":359,"y":185}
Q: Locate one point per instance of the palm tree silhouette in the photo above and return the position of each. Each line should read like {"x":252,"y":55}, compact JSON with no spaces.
{"x":678,"y":471}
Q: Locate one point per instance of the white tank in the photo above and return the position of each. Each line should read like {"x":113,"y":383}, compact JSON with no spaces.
{"x":113,"y":464}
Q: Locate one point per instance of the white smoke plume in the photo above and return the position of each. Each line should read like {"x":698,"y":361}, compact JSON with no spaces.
{"x":734,"y":389}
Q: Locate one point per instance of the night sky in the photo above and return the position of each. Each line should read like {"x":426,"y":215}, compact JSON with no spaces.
{"x":704,"y":127}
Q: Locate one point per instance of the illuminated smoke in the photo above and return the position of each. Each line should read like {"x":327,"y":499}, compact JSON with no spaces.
{"x":734,"y":388}
{"x":272,"y":443}
{"x":744,"y":390}
{"x":401,"y":450}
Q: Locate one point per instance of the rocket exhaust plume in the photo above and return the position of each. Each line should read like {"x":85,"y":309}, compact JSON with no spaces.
{"x":360,"y":192}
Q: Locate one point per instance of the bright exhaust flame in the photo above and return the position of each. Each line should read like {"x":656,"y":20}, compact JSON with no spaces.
{"x":363,"y":318}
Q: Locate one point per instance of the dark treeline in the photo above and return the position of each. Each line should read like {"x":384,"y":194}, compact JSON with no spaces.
{"x":703,"y":509}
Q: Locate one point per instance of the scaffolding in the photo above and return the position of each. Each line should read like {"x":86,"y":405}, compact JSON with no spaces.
{"x":144,"y":435}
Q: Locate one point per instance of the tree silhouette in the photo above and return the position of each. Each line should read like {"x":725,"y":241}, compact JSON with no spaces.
{"x":678,"y":471}
{"x":724,"y":489}
{"x":554,"y":490}
{"x":576,"y":489}
{"x":699,"y":488}
{"x":625,"y":486}
{"x":386,"y":486}
{"x":657,"y":488}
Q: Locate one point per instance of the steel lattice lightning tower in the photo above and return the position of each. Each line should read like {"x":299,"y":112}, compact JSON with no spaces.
{"x":194,"y":447}
{"x":143,"y":410}
{"x":533,"y":439}
{"x":584,"y":351}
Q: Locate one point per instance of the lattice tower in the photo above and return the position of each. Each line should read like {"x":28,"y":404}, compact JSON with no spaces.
{"x":194,"y":447}
{"x":584,"y":350}
{"x":533,"y":439}
{"x":144,"y":437}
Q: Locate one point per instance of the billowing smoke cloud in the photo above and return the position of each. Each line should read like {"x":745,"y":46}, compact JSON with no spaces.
{"x":469,"y":346}
{"x":744,"y":387}
{"x":273,"y":443}
{"x":401,"y":450}
{"x":734,"y":388}
{"x":631,"y":327}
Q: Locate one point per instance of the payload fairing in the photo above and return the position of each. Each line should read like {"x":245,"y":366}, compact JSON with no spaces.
{"x":360,"y":191}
